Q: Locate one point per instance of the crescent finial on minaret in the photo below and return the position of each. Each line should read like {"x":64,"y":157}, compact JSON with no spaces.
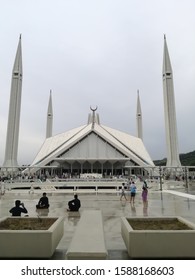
{"x":93,"y":115}
{"x":93,"y":109}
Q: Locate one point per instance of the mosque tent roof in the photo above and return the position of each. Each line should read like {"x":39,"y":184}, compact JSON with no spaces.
{"x":124,"y":146}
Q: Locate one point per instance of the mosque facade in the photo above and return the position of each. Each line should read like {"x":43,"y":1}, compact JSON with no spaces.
{"x":92,"y":148}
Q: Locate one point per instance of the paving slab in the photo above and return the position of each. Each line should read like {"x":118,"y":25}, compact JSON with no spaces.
{"x":180,"y":202}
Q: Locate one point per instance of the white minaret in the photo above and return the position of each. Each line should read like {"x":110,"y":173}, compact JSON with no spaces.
{"x":11,"y":150}
{"x":49,"y":118}
{"x":169,"y":111}
{"x":139,"y":118}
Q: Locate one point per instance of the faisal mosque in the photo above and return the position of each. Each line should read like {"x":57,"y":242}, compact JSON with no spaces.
{"x":92,"y":147}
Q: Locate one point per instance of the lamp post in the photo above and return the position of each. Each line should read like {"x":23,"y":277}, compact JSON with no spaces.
{"x":186,"y":176}
{"x":160,"y":174}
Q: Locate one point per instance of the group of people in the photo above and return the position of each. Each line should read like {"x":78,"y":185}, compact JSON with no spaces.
{"x":75,"y":204}
{"x":133,"y":190}
{"x":43,"y":203}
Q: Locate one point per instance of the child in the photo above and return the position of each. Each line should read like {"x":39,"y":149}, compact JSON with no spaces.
{"x":132,"y":192}
{"x":123,"y":192}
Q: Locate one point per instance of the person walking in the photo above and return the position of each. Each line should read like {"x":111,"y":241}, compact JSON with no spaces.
{"x":132,"y":192}
{"x":123,"y":192}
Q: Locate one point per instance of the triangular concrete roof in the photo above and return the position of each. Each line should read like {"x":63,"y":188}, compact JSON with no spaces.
{"x":129,"y":146}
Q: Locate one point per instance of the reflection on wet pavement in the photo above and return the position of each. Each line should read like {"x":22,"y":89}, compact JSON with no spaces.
{"x":166,"y":203}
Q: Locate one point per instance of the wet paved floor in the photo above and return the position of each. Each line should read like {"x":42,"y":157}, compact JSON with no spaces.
{"x":166,"y":203}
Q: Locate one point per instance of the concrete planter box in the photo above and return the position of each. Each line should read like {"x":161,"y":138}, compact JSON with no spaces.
{"x":159,"y":243}
{"x":31,"y":243}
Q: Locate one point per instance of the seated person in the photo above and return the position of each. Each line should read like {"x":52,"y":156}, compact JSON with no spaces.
{"x":18,"y":209}
{"x":74,"y":204}
{"x":43,"y":202}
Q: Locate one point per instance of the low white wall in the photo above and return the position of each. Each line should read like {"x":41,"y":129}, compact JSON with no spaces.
{"x":31,"y":243}
{"x":159,"y":243}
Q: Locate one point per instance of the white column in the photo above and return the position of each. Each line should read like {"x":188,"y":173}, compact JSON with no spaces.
{"x":169,"y":111}
{"x":11,"y":150}
{"x":139,"y":118}
{"x":49,"y":117}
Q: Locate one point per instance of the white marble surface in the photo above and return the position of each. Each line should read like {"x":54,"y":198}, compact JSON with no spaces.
{"x":159,"y":204}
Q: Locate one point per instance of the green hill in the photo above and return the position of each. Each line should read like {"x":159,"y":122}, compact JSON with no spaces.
{"x":187,"y":159}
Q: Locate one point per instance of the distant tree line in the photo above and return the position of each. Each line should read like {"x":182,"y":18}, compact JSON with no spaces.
{"x":187,"y":159}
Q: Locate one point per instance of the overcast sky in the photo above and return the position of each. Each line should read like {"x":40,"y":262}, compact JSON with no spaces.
{"x":98,"y":52}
